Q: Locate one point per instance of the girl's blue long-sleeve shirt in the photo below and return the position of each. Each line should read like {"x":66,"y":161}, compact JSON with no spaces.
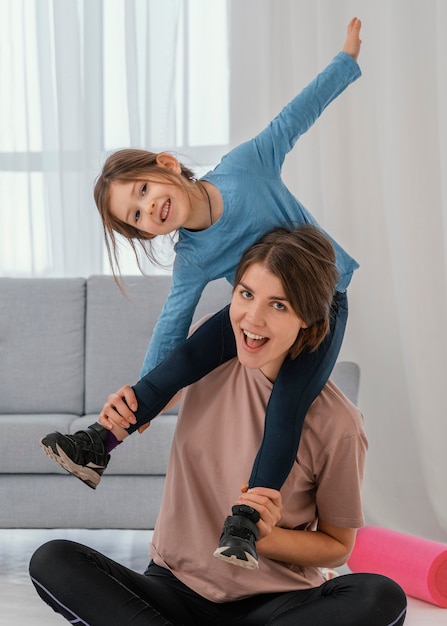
{"x":255,"y":199}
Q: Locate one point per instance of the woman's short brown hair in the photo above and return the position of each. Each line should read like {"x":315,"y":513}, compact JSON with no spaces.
{"x":303,"y":259}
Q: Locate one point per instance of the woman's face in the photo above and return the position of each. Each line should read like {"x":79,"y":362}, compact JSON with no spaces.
{"x":264,"y":324}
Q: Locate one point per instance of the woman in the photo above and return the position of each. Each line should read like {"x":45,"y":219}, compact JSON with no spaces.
{"x":282,"y":282}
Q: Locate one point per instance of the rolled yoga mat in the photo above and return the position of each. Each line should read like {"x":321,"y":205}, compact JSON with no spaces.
{"x":418,"y":565}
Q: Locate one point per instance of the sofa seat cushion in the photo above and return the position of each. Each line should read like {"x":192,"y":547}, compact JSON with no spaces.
{"x":20,"y":452}
{"x":146,"y":454}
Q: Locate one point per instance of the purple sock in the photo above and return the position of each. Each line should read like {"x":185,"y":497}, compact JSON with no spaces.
{"x":111,"y":442}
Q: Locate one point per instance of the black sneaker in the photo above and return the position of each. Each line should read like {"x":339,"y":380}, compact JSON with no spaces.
{"x":82,"y":454}
{"x":237,"y":541}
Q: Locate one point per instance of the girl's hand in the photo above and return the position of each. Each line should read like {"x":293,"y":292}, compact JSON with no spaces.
{"x":117,"y":411}
{"x":268,"y":502}
{"x":353,"y":42}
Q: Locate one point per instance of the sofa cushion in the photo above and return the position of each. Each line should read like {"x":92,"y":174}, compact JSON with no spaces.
{"x":20,"y":452}
{"x":38,"y":501}
{"x":139,"y":454}
{"x":119,"y":328}
{"x":42,"y":345}
{"x":346,"y":375}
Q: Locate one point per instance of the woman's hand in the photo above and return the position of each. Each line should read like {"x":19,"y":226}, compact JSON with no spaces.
{"x":117,"y":411}
{"x":267,"y":502}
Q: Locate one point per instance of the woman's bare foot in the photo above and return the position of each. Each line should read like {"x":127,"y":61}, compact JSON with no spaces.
{"x":353,"y":42}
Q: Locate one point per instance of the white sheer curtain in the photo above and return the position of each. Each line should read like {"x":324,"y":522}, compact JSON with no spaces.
{"x":50,"y":131}
{"x":373,"y":171}
{"x":81,"y":78}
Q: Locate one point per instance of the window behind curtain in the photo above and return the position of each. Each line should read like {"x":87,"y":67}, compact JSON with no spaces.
{"x":81,"y":78}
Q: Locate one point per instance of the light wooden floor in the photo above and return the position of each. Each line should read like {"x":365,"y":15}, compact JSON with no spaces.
{"x":20,"y":605}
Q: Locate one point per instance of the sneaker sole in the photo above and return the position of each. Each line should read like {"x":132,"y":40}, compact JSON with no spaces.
{"x":247,"y":561}
{"x":84,"y":473}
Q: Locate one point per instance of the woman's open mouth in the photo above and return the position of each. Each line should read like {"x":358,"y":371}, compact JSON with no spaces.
{"x":165,"y":211}
{"x":253,"y":341}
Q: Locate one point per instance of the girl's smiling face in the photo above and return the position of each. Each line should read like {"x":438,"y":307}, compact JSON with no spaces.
{"x":264,"y":324}
{"x":160,"y":205}
{"x":154,"y":206}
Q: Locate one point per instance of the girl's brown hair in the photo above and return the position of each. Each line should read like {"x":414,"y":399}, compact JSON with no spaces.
{"x":303,"y":259}
{"x":130,"y":164}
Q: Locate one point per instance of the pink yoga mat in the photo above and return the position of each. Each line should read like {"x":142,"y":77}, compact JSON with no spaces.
{"x":418,"y":565}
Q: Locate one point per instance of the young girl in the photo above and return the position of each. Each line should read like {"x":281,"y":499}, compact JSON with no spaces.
{"x":142,"y":195}
{"x":286,"y":278}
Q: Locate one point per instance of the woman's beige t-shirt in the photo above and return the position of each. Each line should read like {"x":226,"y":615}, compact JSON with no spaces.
{"x":219,"y":431}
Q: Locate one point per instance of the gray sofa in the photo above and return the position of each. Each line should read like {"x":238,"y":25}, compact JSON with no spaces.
{"x":65,"y":344}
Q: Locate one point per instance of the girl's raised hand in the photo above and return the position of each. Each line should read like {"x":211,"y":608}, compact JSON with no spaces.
{"x":353,"y":42}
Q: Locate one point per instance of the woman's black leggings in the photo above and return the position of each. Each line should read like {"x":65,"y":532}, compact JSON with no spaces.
{"x":89,"y":589}
{"x":298,"y":384}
